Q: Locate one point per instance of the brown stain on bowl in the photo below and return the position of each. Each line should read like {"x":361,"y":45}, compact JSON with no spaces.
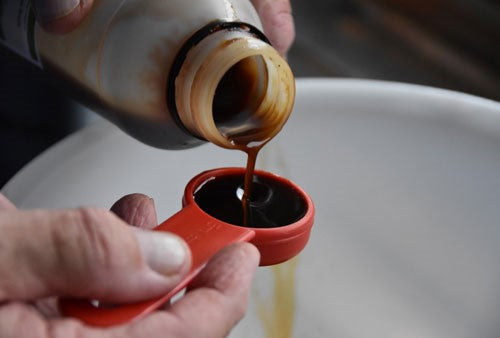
{"x":277,"y":313}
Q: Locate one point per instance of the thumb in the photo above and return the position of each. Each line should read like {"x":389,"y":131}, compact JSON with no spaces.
{"x":87,"y":253}
{"x":61,"y":16}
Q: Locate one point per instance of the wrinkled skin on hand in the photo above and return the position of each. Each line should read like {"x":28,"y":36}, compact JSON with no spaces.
{"x":110,"y":255}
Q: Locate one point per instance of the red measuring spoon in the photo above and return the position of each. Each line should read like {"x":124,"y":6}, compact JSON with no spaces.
{"x":205,"y":236}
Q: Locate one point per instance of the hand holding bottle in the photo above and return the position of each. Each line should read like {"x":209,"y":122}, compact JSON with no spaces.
{"x":62,"y":16}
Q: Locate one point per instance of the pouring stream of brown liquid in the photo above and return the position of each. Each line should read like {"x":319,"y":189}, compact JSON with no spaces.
{"x":237,"y":95}
{"x":236,"y":89}
{"x":247,"y":190}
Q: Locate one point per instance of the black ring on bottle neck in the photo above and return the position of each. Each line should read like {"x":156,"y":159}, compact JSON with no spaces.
{"x":196,"y":38}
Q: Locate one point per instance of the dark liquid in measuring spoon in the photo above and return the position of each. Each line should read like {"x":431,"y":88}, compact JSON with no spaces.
{"x":272,"y":203}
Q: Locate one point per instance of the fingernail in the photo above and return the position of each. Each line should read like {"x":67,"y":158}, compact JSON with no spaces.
{"x":164,"y":253}
{"x":47,"y":11}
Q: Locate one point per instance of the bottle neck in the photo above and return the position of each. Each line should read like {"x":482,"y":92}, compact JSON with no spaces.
{"x":234,"y":90}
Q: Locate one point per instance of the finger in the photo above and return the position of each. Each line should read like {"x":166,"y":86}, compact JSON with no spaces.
{"x":217,"y":299}
{"x":22,"y":320}
{"x":277,"y":19}
{"x":48,"y":307}
{"x":87,"y":253}
{"x":5,"y":204}
{"x":61,"y":16}
{"x":225,"y":283}
{"x":137,"y":210}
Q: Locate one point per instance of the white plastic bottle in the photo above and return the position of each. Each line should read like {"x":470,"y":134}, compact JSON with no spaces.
{"x":171,"y":73}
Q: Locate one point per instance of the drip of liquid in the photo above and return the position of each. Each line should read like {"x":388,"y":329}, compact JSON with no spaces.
{"x":247,"y":190}
{"x":278,"y":311}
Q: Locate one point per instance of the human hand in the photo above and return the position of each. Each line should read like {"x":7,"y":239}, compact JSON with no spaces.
{"x":62,"y":16}
{"x":277,"y":19}
{"x":91,"y":253}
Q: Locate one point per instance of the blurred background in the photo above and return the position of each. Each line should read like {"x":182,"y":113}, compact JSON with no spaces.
{"x":453,"y":44}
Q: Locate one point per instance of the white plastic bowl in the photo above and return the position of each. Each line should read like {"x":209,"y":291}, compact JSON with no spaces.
{"x":406,"y":181}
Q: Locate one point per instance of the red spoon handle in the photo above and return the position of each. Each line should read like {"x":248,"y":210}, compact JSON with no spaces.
{"x":205,"y":237}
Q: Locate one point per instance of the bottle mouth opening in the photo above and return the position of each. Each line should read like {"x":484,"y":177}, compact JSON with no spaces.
{"x":238,"y":96}
{"x":234,"y":90}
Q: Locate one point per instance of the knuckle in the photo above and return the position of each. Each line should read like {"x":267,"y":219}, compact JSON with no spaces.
{"x":93,"y":237}
{"x":283,"y":20}
{"x":284,"y":6}
{"x":81,"y":242}
{"x":89,"y":216}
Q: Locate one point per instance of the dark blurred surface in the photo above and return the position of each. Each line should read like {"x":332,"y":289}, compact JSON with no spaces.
{"x":443,"y":43}
{"x":451,"y":44}
{"x":33,"y":114}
